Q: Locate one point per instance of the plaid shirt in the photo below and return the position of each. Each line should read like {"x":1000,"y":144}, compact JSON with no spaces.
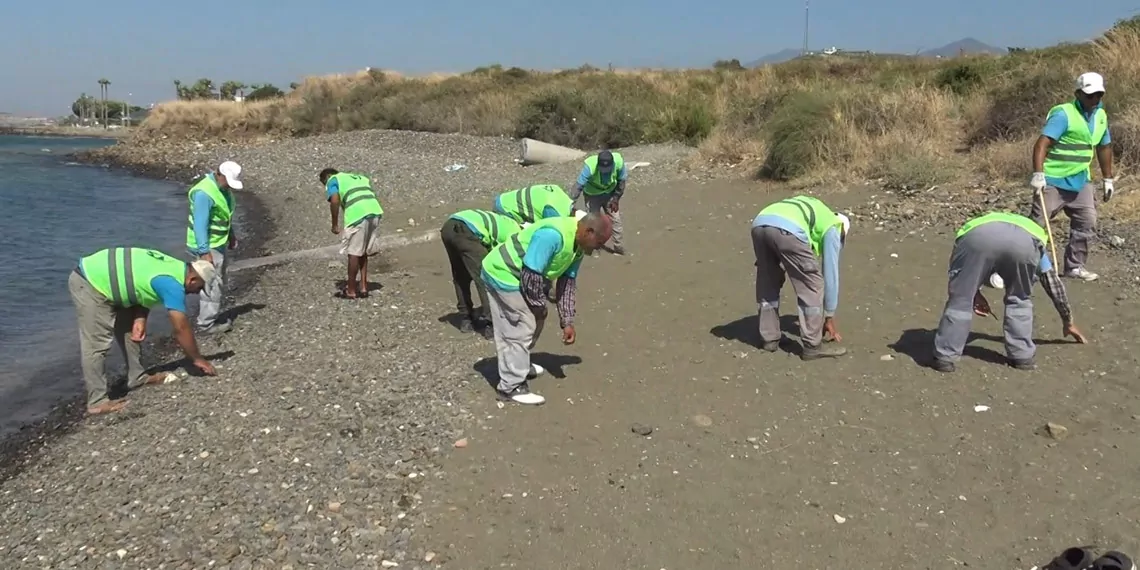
{"x":1053,"y":286}
{"x":534,"y":292}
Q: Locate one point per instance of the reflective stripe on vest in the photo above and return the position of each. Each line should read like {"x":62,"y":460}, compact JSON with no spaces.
{"x":221,"y":214}
{"x":112,"y":273}
{"x":1073,"y":153}
{"x":1018,"y":220}
{"x":814,"y":217}
{"x":526,"y":205}
{"x":594,"y":185}
{"x":505,"y":262}
{"x":356,"y":197}
{"x":493,"y":228}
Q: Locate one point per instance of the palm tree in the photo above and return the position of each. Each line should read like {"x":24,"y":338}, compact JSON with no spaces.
{"x":104,"y":88}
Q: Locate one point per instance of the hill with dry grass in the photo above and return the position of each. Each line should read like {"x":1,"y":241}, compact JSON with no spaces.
{"x":908,"y":121}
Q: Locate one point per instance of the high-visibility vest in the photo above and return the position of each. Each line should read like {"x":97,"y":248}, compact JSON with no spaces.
{"x":221,"y":213}
{"x":505,"y":262}
{"x":810,"y":214}
{"x":123,"y":274}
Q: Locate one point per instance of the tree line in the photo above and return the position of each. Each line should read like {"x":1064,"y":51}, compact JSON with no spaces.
{"x":87,"y":107}
{"x":205,"y":88}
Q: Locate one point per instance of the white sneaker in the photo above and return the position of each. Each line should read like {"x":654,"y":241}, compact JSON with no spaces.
{"x":522,"y":395}
{"x":1082,"y":274}
{"x":535,"y":372}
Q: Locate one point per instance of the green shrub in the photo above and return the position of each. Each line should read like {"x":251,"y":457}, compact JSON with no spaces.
{"x":797,"y":133}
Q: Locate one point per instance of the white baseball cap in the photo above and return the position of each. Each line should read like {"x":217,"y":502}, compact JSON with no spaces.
{"x":232,"y":171}
{"x":204,"y":269}
{"x":1090,"y":83}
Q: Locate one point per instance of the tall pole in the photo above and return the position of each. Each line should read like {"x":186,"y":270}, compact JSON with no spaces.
{"x":807,"y":19}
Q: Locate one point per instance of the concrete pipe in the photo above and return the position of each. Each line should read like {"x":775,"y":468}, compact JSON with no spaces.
{"x":538,"y":152}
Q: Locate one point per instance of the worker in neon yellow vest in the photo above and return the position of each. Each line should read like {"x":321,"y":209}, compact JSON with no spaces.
{"x":113,"y":291}
{"x":516,"y":273}
{"x":210,"y":236}
{"x":468,"y":236}
{"x":360,"y":236}
{"x":1014,"y":247}
{"x":602,"y":180}
{"x":1075,"y":132}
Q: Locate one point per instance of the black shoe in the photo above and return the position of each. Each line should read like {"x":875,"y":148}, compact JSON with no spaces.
{"x":487,"y":330}
{"x":466,"y":326}
{"x":1113,"y":560}
{"x":1023,"y":364}
{"x":943,"y":365}
{"x":1075,"y":558}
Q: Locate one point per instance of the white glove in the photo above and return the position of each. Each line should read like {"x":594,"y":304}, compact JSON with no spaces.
{"x":1108,"y":189}
{"x":1037,"y":182}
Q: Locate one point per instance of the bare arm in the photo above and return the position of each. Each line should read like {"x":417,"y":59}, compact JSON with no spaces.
{"x":184,"y":334}
{"x":334,"y":208}
{"x":1040,"y":149}
{"x":1104,"y":158}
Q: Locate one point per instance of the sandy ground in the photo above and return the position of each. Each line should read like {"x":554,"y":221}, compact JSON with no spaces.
{"x":327,"y":439}
{"x":755,"y":456}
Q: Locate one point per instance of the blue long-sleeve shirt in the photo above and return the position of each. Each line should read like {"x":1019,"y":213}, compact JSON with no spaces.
{"x":543,"y":245}
{"x":1055,"y":127}
{"x":201,"y":212}
{"x":832,"y":246}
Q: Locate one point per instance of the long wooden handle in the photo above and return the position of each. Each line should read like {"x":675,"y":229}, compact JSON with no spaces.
{"x":1049,"y":230}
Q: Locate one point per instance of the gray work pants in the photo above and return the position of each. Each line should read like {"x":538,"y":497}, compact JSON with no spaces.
{"x":210,"y":299}
{"x":465,"y":252}
{"x":1081,"y":209}
{"x":516,"y":332}
{"x":779,"y":253}
{"x":600,"y":202}
{"x":100,"y":324}
{"x":1010,"y":252}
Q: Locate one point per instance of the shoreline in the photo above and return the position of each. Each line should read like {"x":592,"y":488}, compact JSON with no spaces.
{"x":66,"y":132}
{"x":21,"y":447}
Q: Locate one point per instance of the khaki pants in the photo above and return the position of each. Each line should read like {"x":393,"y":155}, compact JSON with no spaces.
{"x":600,"y":202}
{"x":362,"y":239}
{"x":1081,"y":209}
{"x":516,"y":332}
{"x":780,"y":254}
{"x":100,"y":324}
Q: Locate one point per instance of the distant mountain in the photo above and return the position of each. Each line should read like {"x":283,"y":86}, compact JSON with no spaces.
{"x":778,"y":57}
{"x":968,"y":45}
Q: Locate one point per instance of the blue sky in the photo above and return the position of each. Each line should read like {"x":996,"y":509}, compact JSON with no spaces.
{"x":52,"y":50}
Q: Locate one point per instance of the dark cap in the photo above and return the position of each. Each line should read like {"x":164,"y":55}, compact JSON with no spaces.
{"x":605,"y":161}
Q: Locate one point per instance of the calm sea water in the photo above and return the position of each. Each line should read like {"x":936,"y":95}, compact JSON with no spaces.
{"x":52,"y":212}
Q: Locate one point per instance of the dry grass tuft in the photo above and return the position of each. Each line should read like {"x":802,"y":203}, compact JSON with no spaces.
{"x":911,"y":122}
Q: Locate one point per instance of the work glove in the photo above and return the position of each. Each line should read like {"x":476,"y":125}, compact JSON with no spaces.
{"x":1037,"y":182}
{"x":1108,"y":189}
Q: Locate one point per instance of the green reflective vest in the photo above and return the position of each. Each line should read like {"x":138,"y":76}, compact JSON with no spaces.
{"x":356,"y":197}
{"x":221,"y":213}
{"x":1016,"y":219}
{"x":123,"y":274}
{"x":525,"y":205}
{"x":493,"y":228}
{"x":594,"y":185}
{"x":1074,"y":151}
{"x":810,"y":214}
{"x":505,"y":262}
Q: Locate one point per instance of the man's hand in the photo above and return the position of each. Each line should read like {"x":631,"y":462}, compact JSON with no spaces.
{"x":539,"y":313}
{"x":829,"y":331}
{"x":568,"y":334}
{"x":1071,"y":330}
{"x":1108,"y":188}
{"x":205,"y":366}
{"x":208,"y":257}
{"x":1037,"y":182}
{"x":612,"y":206}
{"x":138,"y":330}
{"x":233,"y":241}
